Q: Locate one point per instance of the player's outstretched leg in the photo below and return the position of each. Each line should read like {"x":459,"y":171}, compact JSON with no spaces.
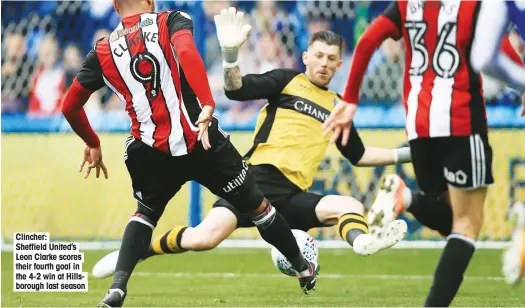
{"x":352,"y":226}
{"x":216,"y":227}
{"x":135,"y":242}
{"x":513,"y":258}
{"x":275,"y":230}
{"x":394,"y":197}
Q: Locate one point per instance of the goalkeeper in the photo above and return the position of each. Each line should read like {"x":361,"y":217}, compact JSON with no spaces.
{"x":288,"y":148}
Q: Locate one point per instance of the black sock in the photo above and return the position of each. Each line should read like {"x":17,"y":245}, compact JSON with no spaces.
{"x":135,"y":242}
{"x":434,"y":213}
{"x":275,"y":230}
{"x":150,"y":253}
{"x":449,"y":272}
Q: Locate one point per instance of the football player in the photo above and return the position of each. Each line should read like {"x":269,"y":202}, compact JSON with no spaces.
{"x":446,"y":127}
{"x":174,"y":138}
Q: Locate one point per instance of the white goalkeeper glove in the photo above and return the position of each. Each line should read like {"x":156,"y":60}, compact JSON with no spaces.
{"x":231,"y":34}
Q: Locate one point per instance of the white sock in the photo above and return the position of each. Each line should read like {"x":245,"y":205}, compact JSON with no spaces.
{"x":355,"y":240}
{"x":407,"y":198}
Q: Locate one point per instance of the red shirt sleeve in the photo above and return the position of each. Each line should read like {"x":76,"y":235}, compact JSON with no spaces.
{"x":73,"y":111}
{"x":507,"y":49}
{"x":193,"y":66}
{"x":380,"y":29}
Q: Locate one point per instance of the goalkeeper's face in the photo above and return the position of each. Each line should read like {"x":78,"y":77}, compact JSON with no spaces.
{"x":322,"y":61}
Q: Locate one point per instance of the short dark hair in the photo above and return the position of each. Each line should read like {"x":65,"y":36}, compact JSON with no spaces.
{"x":328,"y":37}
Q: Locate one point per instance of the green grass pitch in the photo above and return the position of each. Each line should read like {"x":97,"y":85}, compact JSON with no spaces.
{"x":246,"y":277}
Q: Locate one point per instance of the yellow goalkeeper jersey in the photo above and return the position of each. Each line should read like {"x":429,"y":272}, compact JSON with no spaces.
{"x":288,"y":134}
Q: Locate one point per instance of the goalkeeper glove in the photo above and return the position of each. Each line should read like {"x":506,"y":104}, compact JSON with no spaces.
{"x":231,"y":34}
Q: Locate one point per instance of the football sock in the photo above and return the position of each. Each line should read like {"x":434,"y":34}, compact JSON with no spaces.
{"x":169,"y":242}
{"x":135,"y":241}
{"x":275,"y":230}
{"x":450,"y":269}
{"x":431,"y":212}
{"x":350,"y":226}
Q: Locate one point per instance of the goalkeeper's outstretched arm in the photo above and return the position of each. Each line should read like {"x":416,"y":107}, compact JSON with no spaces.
{"x":364,"y":156}
{"x":383,"y":157}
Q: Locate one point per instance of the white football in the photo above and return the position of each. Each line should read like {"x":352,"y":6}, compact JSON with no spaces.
{"x":308,"y":248}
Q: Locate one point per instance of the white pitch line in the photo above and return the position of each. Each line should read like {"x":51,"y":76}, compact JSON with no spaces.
{"x":239,"y":243}
{"x":321,"y":276}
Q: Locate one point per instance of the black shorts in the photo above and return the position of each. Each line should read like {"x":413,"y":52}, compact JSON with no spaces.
{"x":157,"y":176}
{"x":296,"y":206}
{"x":464,"y":162}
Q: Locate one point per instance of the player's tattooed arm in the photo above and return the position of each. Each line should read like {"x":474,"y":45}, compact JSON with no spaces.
{"x":232,"y":78}
{"x":255,"y":86}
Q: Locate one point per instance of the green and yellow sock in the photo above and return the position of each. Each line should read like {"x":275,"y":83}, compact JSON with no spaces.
{"x":350,"y":226}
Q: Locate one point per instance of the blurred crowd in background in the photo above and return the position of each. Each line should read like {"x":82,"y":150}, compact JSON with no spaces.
{"x":44,"y":44}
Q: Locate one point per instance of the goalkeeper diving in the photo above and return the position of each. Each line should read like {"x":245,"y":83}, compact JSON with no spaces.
{"x":287,"y":150}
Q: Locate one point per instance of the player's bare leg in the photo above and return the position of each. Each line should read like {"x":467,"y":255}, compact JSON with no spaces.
{"x":513,"y":258}
{"x":215,"y":228}
{"x":348,"y":214}
{"x":467,"y":209}
{"x":394,"y":197}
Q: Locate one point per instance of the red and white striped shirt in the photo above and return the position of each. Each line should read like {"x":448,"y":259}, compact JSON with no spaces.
{"x":443,"y":96}
{"x":151,"y":63}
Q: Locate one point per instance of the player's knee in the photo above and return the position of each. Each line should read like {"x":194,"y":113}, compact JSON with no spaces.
{"x":467,"y":207}
{"x":148,"y":212}
{"x":248,"y":200}
{"x":330,"y":208}
{"x":265,"y":218}
{"x":468,"y":225}
{"x":349,"y":205}
{"x":144,"y":219}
